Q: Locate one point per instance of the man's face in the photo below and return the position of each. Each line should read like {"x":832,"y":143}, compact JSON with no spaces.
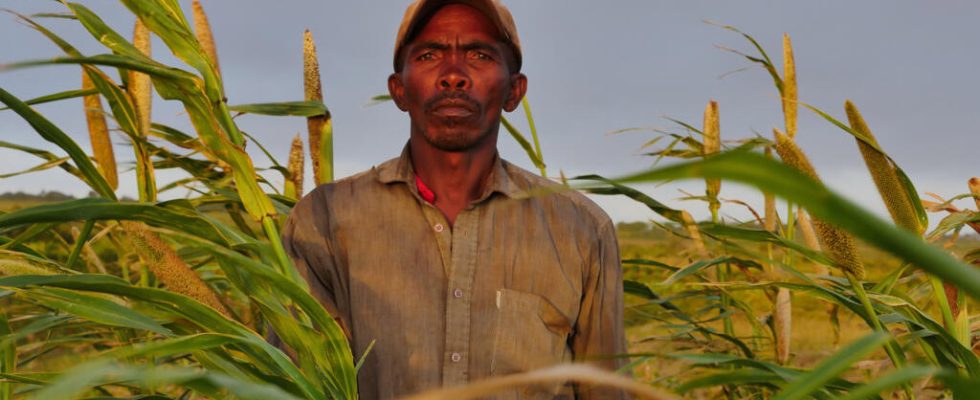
{"x":456,"y":79}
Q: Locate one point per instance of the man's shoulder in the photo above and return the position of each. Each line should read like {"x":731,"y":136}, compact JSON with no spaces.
{"x":553,"y":192}
{"x":348,"y":188}
{"x":368,"y":177}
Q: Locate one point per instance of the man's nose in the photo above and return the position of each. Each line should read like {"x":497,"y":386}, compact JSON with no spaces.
{"x":454,"y":77}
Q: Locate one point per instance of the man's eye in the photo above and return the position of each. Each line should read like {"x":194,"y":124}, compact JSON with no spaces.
{"x":479,"y":55}
{"x":426,"y":56}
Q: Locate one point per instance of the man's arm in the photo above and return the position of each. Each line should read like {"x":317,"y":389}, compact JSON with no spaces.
{"x":599,"y":329}
{"x":306,"y":241}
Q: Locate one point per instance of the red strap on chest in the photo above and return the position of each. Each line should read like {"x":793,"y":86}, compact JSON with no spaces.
{"x":424,"y":191}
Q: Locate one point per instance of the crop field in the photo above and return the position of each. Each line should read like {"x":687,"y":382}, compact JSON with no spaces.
{"x":109,"y":298}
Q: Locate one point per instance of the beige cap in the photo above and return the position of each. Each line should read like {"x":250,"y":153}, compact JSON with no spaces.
{"x":421,"y":10}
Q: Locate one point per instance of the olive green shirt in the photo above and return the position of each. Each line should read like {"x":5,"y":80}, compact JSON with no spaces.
{"x":517,"y":283}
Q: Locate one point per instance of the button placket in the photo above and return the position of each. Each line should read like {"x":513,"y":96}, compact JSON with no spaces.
{"x":437,"y":223}
{"x":463,"y":262}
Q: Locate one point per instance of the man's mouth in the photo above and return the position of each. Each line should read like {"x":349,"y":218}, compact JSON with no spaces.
{"x":452,"y":111}
{"x":452,"y":108}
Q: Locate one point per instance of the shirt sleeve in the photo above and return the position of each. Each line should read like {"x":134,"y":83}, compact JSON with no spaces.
{"x":306,"y":240}
{"x":599,"y":333}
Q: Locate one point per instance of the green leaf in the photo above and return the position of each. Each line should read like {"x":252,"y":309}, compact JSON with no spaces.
{"x":760,"y":235}
{"x":95,"y":309}
{"x":8,"y":356}
{"x":381,"y":98}
{"x":700,"y":265}
{"x":742,"y":376}
{"x":55,"y":135}
{"x":910,"y":191}
{"x":615,"y":188}
{"x":39,"y":167}
{"x":169,"y":214}
{"x":265,"y":284}
{"x":147,"y":66}
{"x":37,"y":324}
{"x":166,"y":20}
{"x":22,"y":378}
{"x":890,"y":381}
{"x":521,"y":140}
{"x":43,"y":154}
{"x":75,"y":381}
{"x":639,"y":289}
{"x":832,"y":367}
{"x":259,"y":351}
{"x":68,"y":94}
{"x":777,"y":178}
{"x":765,"y":61}
{"x":170,"y":347}
{"x":534,"y":134}
{"x":202,"y":99}
{"x":962,"y":387}
{"x":309,"y":108}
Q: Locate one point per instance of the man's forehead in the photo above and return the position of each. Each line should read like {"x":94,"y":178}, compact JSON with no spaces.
{"x":456,"y":22}
{"x":418,"y":15}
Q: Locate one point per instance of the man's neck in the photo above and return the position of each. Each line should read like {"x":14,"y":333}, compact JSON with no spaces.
{"x":456,"y":178}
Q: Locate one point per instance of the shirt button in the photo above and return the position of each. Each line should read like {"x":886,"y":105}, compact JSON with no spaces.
{"x":456,"y":357}
{"x":438,"y":227}
{"x":458,"y":293}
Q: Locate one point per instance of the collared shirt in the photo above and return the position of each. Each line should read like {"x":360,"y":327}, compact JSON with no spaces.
{"x":517,"y":283}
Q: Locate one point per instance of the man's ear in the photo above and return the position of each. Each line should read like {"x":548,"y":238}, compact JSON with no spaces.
{"x":397,"y":90}
{"x":518,"y":88}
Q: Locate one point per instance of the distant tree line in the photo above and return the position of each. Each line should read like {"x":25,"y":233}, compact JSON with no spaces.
{"x":53,"y":195}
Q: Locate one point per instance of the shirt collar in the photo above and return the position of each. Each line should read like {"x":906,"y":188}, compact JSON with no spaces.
{"x":401,"y":170}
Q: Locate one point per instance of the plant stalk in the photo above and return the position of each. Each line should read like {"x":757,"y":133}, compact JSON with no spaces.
{"x":534,"y":134}
{"x":940,"y":293}
{"x":890,"y":347}
{"x":79,"y":243}
{"x":8,"y":358}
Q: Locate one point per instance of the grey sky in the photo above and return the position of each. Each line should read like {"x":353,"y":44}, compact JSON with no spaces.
{"x":593,"y":67}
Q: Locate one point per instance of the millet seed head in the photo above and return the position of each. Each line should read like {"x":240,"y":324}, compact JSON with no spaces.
{"x":311,"y":69}
{"x":835,"y":241}
{"x":711,"y":145}
{"x":790,"y":95}
{"x":316,"y":125}
{"x":202,"y":30}
{"x":841,"y":247}
{"x":169,"y":268}
{"x":296,"y":161}
{"x":98,"y":133}
{"x":792,"y":155}
{"x":140,"y":86}
{"x":885,"y":175}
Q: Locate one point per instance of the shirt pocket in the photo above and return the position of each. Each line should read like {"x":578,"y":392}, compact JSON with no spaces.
{"x":531,"y":333}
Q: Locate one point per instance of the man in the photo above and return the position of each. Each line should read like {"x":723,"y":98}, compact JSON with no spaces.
{"x":439,"y":255}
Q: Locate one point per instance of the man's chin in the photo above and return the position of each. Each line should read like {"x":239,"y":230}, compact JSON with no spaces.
{"x":453,"y":141}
